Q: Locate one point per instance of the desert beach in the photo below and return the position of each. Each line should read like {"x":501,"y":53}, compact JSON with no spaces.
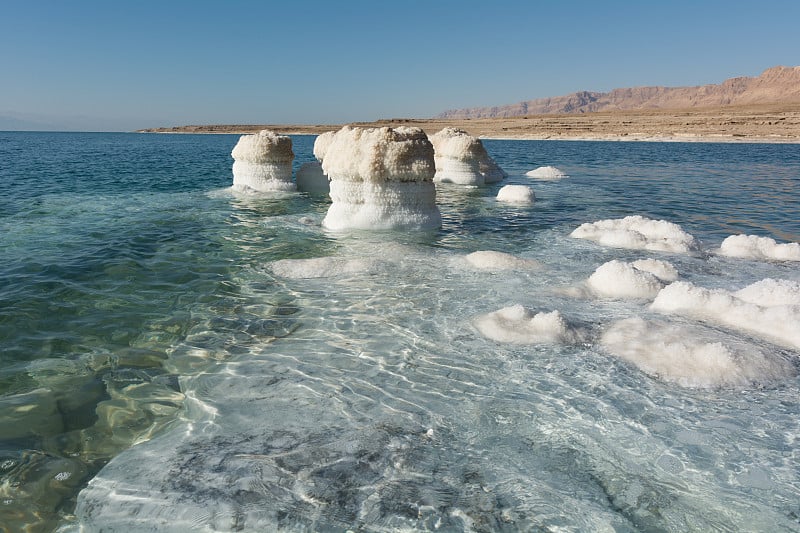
{"x":770,"y":123}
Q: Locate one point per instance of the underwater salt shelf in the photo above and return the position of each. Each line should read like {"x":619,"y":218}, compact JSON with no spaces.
{"x":240,"y":367}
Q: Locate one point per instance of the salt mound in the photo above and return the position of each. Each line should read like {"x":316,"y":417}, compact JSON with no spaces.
{"x":692,"y":356}
{"x":546,"y":173}
{"x":519,"y":325}
{"x":516,"y":194}
{"x":779,"y":323}
{"x":491,"y":260}
{"x":770,"y":292}
{"x":322,"y":267}
{"x":753,"y":247}
{"x":381,"y":178}
{"x":263,"y":162}
{"x":638,"y":233}
{"x":461,"y":158}
{"x":310,"y":178}
{"x":660,"y":269}
{"x":618,"y":279}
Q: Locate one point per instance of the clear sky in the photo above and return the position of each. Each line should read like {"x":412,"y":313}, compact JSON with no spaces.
{"x":108,"y":65}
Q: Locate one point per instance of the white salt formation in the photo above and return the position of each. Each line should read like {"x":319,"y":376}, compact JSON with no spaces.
{"x":692,"y":356}
{"x":516,"y":194}
{"x":764,"y":248}
{"x":660,"y":269}
{"x":491,"y":260}
{"x":546,"y":173}
{"x":381,"y":178}
{"x":519,"y":325}
{"x":638,"y":233}
{"x":263,"y":162}
{"x":755,"y":309}
{"x":310,"y":178}
{"x":770,"y":292}
{"x":618,"y":279}
{"x":462,"y":159}
{"x":321,"y":144}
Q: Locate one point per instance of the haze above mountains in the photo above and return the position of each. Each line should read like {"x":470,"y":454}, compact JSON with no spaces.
{"x":774,"y":85}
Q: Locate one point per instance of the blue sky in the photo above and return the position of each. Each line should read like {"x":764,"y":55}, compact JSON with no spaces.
{"x":86,"y":65}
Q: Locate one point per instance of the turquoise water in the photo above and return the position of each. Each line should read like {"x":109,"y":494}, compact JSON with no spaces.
{"x":147,"y":347}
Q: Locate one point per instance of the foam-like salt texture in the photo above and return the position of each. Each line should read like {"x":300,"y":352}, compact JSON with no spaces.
{"x":692,"y":356}
{"x":321,"y":144}
{"x":547,"y":173}
{"x":492,"y":260}
{"x":263,"y":162}
{"x":461,"y":158}
{"x":516,"y":194}
{"x":638,"y":233}
{"x":310,"y":178}
{"x":770,"y":292}
{"x":322,"y":267}
{"x":519,"y":325}
{"x":778,"y":323}
{"x":754,"y":247}
{"x":660,"y":269}
{"x":381,"y":178}
{"x":618,"y":279}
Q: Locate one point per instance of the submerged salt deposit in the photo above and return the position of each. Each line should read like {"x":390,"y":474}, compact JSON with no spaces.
{"x":520,"y":325}
{"x":381,"y":178}
{"x":638,"y":233}
{"x":516,"y":194}
{"x":263,"y":162}
{"x":461,"y":158}
{"x":692,"y":355}
{"x":757,"y":311}
{"x":546,"y":173}
{"x":754,"y":247}
{"x":493,"y":260}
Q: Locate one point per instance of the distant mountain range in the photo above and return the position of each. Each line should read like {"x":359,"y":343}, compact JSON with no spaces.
{"x":774,"y":85}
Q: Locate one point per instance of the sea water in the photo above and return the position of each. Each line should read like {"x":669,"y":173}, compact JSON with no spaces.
{"x":159,"y":372}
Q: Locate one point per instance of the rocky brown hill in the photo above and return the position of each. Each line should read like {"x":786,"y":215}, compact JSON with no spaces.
{"x":774,"y":85}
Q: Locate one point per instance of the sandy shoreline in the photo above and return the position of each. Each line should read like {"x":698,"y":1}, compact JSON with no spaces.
{"x":769,"y":123}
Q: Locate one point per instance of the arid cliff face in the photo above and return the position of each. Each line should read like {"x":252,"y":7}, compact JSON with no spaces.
{"x":774,"y":85}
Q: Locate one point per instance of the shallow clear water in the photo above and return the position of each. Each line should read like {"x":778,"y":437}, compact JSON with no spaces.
{"x":140,"y":321}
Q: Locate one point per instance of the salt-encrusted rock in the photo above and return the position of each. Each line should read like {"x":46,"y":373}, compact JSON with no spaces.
{"x":638,"y":233}
{"x":263,"y":162}
{"x":310,"y":178}
{"x":321,"y":144}
{"x":755,"y":247}
{"x":461,"y":158}
{"x":381,"y":178}
{"x":516,"y":194}
{"x":546,"y":173}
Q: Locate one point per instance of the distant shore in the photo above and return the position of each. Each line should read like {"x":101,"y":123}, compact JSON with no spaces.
{"x":768,"y":123}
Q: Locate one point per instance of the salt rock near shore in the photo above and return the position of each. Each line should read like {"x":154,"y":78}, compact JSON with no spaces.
{"x":764,"y":248}
{"x":519,"y":325}
{"x":381,"y":179}
{"x":495,"y":261}
{"x":638,"y":233}
{"x":618,"y":279}
{"x":462,"y":159}
{"x":263,"y":162}
{"x":547,"y":173}
{"x":516,"y":194}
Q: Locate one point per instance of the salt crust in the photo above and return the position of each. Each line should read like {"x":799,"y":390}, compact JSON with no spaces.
{"x":381,"y":178}
{"x":263,"y":162}
{"x":754,"y":247}
{"x":462,"y":159}
{"x":692,"y":356}
{"x":519,"y":325}
{"x":638,"y":233}
{"x":516,"y":194}
{"x":492,"y":260}
{"x":321,"y":144}
{"x":755,"y":309}
{"x":322,"y":267}
{"x":618,"y":279}
{"x":546,"y":173}
{"x":310,"y":178}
